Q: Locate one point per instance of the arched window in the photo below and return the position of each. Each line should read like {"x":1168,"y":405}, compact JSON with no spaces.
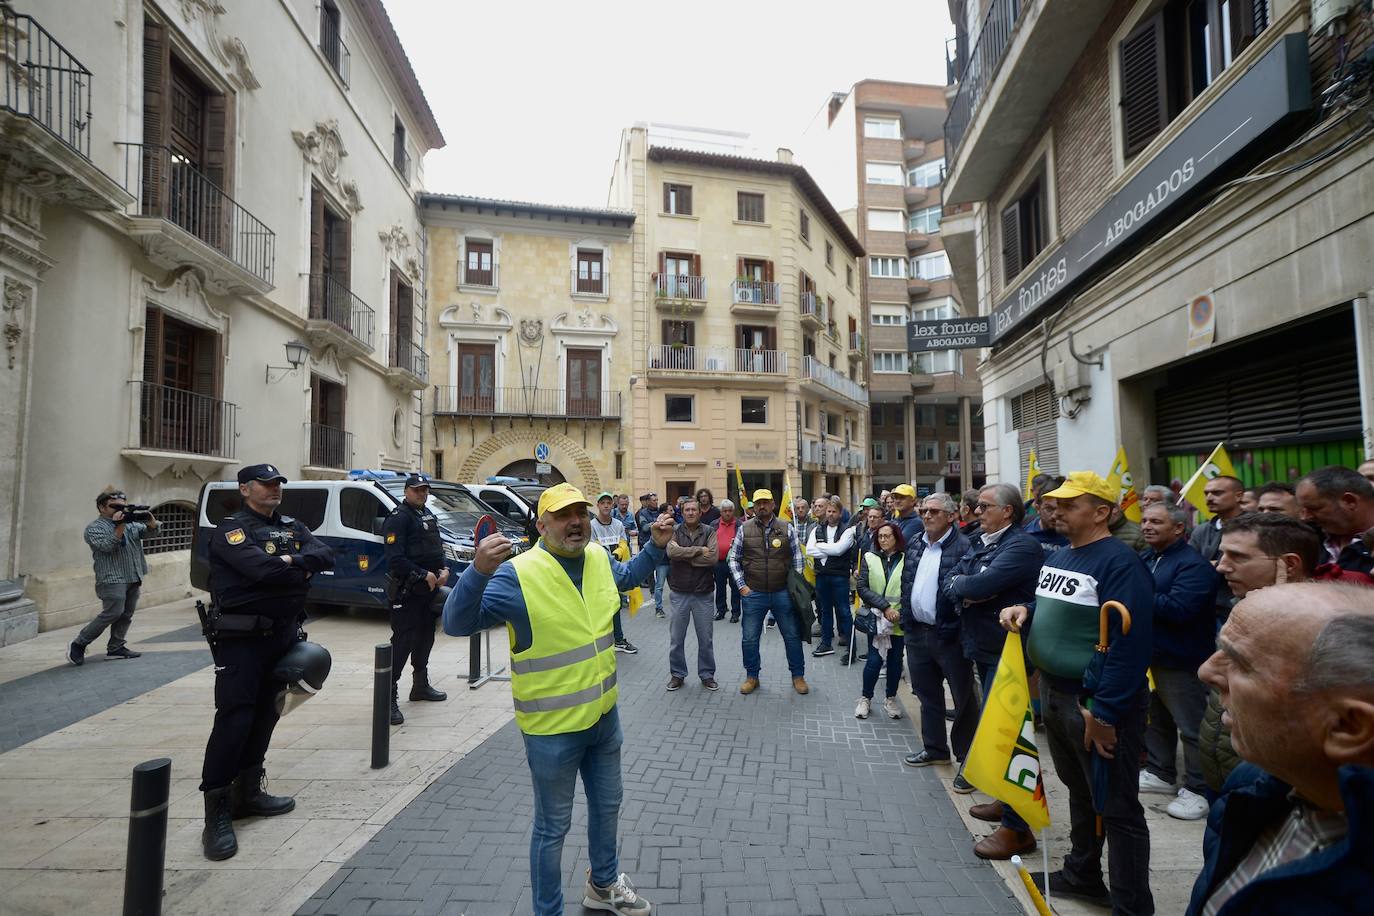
{"x":176,"y":522}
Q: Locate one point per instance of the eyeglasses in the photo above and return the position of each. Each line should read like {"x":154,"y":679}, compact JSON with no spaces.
{"x":987,"y":506}
{"x":929,"y":511}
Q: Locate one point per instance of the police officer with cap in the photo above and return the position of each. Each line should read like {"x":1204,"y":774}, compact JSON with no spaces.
{"x":415,"y":560}
{"x":260,"y":566}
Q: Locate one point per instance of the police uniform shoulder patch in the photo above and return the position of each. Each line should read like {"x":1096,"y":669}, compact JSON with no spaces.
{"x":235,"y":537}
{"x":391,"y":538}
{"x":270,"y":547}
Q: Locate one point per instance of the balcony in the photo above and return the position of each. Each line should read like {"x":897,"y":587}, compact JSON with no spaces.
{"x":814,"y":372}
{"x":332,"y":46}
{"x":915,"y":195}
{"x":1023,"y":53}
{"x":913,"y":149}
{"x":400,"y":161}
{"x":407,"y":365}
{"x":679,"y":293}
{"x":915,"y":240}
{"x":181,"y":430}
{"x":183,"y":218}
{"x":330,"y":451}
{"x":716,"y":363}
{"x":584,"y":284}
{"x":917,"y":286}
{"x":337,"y":318}
{"x":531,"y":403}
{"x":812,"y":312}
{"x":856,"y":345}
{"x":754,"y":297}
{"x":45,"y":118}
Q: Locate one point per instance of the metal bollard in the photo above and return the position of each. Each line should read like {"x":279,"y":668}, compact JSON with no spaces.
{"x":381,"y":707}
{"x":147,"y":838}
{"x":474,"y":659}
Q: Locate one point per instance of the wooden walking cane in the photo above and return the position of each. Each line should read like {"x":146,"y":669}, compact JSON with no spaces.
{"x":1091,"y":679}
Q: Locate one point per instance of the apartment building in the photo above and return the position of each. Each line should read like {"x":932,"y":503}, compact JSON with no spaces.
{"x":1165,"y":219}
{"x":211,"y":257}
{"x":878,"y":151}
{"x":531,"y":307}
{"x":746,"y":286}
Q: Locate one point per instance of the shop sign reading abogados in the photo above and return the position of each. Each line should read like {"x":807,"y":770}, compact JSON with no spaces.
{"x":1276,"y":87}
{"x":948,"y":334}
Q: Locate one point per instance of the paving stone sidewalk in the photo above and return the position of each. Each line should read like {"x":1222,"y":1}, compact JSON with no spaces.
{"x":771,"y":803}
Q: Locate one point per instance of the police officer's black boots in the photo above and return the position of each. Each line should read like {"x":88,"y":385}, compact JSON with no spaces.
{"x":251,"y":801}
{"x":420,"y":689}
{"x":217,"y":839}
{"x":396,"y":717}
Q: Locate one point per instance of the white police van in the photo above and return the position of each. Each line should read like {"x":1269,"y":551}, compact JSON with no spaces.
{"x":348,"y":515}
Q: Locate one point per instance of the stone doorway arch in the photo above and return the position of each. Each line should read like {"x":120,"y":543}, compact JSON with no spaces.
{"x":507,"y":447}
{"x":526,"y":467}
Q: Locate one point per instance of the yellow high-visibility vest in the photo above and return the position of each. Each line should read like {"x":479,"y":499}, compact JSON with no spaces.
{"x":565,"y":680}
{"x":890,"y":587}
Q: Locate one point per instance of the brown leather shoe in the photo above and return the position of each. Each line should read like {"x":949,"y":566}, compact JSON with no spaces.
{"x":749,"y":686}
{"x":799,"y":685}
{"x":988,"y":811}
{"x":675,"y":683}
{"x":1003,"y":843}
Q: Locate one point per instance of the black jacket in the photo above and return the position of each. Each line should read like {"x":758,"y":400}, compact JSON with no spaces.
{"x":413,"y":542}
{"x":247,"y":573}
{"x":947,"y":611}
{"x":988,"y":579}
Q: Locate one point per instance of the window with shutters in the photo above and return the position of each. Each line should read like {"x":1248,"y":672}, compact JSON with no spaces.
{"x":179,"y":399}
{"x":749,"y":207}
{"x":804,"y":226}
{"x":402,"y":351}
{"x":1024,"y":230}
{"x":849,"y":276}
{"x":399,"y":157}
{"x":330,"y":444}
{"x":829,"y":254}
{"x":677,"y":199}
{"x":879,"y":450}
{"x":331,"y":257}
{"x":479,"y":264}
{"x":331,"y":39}
{"x":1168,"y":58}
{"x":884,"y":220}
{"x":1033,"y":415}
{"x":591,"y":277}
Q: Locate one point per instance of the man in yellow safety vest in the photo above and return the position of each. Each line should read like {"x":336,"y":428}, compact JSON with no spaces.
{"x":557,"y":602}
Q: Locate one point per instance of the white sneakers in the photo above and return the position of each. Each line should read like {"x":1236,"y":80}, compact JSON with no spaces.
{"x":861,"y":708}
{"x":1188,"y":806}
{"x":865,"y":706}
{"x":891,"y":708}
{"x":621,"y":897}
{"x":1150,"y":783}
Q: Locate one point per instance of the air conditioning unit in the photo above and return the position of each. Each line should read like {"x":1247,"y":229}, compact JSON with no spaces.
{"x":715,"y":364}
{"x":744,"y":294}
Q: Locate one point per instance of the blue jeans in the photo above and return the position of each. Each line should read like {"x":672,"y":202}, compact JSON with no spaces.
{"x":832,"y":603}
{"x":555,"y":761}
{"x":758,"y":605}
{"x":724,"y":582}
{"x":874,"y":665}
{"x":660,"y":576}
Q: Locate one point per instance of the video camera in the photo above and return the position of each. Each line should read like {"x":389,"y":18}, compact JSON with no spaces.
{"x":134,"y":513}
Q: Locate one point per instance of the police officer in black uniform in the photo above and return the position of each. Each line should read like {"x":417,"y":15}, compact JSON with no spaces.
{"x":415,"y":564}
{"x":260,"y":566}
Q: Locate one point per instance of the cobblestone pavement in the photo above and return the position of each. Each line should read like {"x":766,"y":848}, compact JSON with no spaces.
{"x":771,"y":803}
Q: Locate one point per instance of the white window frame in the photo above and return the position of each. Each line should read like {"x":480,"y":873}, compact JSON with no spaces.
{"x":897,"y":265}
{"x":919,"y":176}
{"x":916,"y":418}
{"x":879,"y":450}
{"x":478,"y":236}
{"x":900,"y":450}
{"x":931,"y":311}
{"x":880,"y":219}
{"x":921,"y":220}
{"x":881,"y":125}
{"x":919,"y":268}
{"x":890,"y":362}
{"x":869,"y":172}
{"x":927,"y":450}
{"x":937,"y":362}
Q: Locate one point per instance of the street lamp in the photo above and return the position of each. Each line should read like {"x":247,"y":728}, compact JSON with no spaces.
{"x":297,"y":351}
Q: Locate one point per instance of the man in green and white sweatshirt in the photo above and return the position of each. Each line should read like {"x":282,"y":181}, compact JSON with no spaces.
{"x":1062,"y":630}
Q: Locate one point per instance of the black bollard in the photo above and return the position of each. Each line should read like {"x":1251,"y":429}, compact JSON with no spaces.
{"x":381,"y":707}
{"x":474,"y":659}
{"x":147,"y":838}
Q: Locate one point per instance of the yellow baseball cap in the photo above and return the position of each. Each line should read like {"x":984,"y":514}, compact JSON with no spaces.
{"x":1084,"y":483}
{"x":762,"y":494}
{"x":904,"y":489}
{"x":561,"y":496}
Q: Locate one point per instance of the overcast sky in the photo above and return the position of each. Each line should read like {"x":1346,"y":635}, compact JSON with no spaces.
{"x":532,"y":96}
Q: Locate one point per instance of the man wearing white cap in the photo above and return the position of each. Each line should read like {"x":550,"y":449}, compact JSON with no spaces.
{"x":557,"y":602}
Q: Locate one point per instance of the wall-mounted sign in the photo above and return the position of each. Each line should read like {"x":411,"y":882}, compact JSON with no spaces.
{"x":542,"y":468}
{"x":687,"y":446}
{"x":1275,"y":88}
{"x":1202,"y":321}
{"x":758,"y":451}
{"x":949,"y":334}
{"x":541,"y":451}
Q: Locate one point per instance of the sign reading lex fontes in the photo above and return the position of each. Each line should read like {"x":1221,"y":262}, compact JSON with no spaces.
{"x":1275,"y":87}
{"x":948,"y":334}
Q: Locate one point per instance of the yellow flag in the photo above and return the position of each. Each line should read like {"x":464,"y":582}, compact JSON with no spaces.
{"x":1218,"y":464}
{"x":1032,"y":472}
{"x":1003,"y":760}
{"x":1120,"y":478}
{"x":744,"y":501}
{"x":785,"y":506}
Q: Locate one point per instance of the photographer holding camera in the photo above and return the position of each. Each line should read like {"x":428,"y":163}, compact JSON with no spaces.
{"x":116,"y":542}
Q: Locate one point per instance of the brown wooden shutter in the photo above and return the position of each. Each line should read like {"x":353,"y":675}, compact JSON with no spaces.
{"x":685,"y":195}
{"x":341,"y":246}
{"x":770,"y":338}
{"x":219,"y":141}
{"x":1143,"y":111}
{"x":1251,"y":18}
{"x":316,"y":230}
{"x":768,"y":271}
{"x":394,"y":317}
{"x":739,"y":267}
{"x":207,"y":379}
{"x":1011,"y":242}
{"x":696,"y":265}
{"x":157,"y":75}
{"x":666,"y":193}
{"x":662,"y":263}
{"x":152,"y":346}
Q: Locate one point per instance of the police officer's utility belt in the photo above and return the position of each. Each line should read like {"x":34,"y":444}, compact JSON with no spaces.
{"x":242,"y":624}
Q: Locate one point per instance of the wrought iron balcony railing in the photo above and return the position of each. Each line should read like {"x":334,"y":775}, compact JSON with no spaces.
{"x":452,"y":400}
{"x":756,"y":292}
{"x":403,"y":353}
{"x":817,"y":371}
{"x":333,"y":47}
{"x":174,"y":420}
{"x":332,"y":301}
{"x":589,"y":283}
{"x":981,"y":69}
{"x":42,"y":81}
{"x":679,"y":286}
{"x":168,"y":187}
{"x":329,"y":447}
{"x":717,"y":359}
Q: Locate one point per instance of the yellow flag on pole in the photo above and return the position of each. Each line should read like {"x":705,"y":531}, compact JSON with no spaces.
{"x":1032,"y":472}
{"x":785,"y":504}
{"x":1120,"y":477}
{"x":1218,"y":464}
{"x":744,"y":501}
{"x":1003,"y":760}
